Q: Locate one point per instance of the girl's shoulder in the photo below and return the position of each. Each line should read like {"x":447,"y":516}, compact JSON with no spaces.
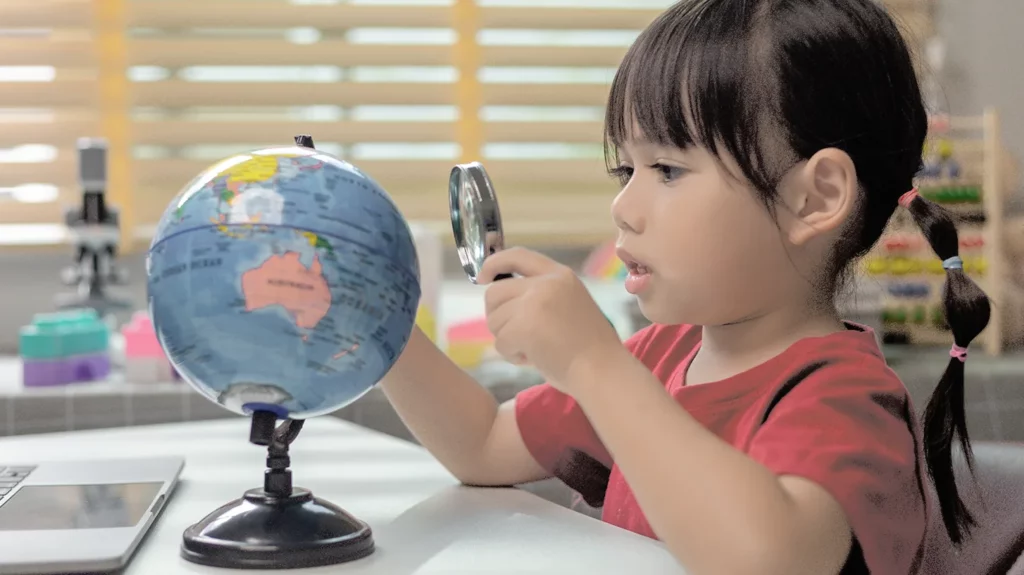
{"x":664,"y":346}
{"x":658,"y":338}
{"x":842,"y":358}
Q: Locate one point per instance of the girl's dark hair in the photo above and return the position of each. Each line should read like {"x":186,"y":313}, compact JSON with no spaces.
{"x":772,"y":82}
{"x":967,"y":311}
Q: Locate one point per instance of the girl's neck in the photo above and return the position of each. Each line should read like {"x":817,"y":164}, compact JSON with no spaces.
{"x":729,"y":349}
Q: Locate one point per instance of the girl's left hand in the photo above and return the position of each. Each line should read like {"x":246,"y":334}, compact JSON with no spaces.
{"x":545,"y":317}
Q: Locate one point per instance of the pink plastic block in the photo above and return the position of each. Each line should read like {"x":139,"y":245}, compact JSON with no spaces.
{"x":140,"y":338}
{"x":471,"y":330}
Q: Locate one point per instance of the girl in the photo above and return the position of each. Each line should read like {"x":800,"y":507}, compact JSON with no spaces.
{"x":763,"y":145}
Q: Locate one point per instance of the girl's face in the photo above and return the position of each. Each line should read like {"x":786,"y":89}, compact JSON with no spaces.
{"x":701,"y":246}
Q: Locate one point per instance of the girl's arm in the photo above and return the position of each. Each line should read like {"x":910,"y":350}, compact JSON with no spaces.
{"x":716,"y":509}
{"x":456,"y":419}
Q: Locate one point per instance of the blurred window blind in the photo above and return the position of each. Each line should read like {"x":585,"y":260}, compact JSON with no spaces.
{"x":390,"y":85}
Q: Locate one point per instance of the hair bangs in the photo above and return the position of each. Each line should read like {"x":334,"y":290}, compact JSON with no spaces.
{"x":698,"y":76}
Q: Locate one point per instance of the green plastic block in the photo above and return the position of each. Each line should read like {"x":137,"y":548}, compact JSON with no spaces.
{"x":64,"y":334}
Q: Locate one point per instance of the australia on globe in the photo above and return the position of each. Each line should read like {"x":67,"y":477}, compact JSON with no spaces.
{"x":283,"y":280}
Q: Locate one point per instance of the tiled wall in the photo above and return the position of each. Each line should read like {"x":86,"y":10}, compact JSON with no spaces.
{"x":993,"y":395}
{"x":70,"y":409}
{"x":25,"y":414}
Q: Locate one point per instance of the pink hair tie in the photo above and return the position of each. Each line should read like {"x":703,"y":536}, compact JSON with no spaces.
{"x":958,"y":352}
{"x":908,"y":197}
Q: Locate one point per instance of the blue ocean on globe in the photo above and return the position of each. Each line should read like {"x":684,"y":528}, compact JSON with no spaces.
{"x":283,"y":280}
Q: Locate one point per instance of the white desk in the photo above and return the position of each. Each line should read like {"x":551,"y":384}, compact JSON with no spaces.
{"x":423,"y":521}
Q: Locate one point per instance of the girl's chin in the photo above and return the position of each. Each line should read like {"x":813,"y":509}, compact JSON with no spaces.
{"x":657,"y":310}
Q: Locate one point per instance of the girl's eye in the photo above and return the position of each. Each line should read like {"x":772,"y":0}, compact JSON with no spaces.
{"x":668,"y":173}
{"x":622,"y":173}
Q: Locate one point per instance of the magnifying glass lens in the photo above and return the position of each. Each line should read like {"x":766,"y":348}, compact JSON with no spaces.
{"x":472,"y":233}
{"x":476,"y":220}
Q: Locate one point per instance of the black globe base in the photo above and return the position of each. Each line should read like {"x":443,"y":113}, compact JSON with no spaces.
{"x":278,"y":526}
{"x":260,"y":531}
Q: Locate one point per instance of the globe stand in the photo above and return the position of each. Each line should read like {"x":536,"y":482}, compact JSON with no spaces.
{"x":278,"y":526}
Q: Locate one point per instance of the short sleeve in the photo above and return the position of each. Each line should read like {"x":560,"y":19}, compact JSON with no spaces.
{"x":559,"y":436}
{"x":852,"y":432}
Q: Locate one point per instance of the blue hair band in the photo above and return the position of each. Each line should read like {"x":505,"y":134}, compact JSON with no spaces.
{"x":953,"y":263}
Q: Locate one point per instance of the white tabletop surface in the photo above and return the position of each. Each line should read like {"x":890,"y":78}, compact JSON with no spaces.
{"x":423,"y":521}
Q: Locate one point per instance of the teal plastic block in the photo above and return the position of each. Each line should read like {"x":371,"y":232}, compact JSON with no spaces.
{"x":64,"y":334}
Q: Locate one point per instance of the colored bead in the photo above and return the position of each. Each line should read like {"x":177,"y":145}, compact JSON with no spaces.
{"x":877,"y":266}
{"x":64,"y":347}
{"x":920,"y":315}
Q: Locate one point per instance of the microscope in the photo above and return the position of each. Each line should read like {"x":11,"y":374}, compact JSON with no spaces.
{"x":94,"y":231}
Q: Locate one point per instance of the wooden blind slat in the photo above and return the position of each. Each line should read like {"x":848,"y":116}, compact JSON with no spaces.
{"x":181,"y":52}
{"x":392,"y":174}
{"x":61,"y":172}
{"x":567,"y":18}
{"x":178,"y":93}
{"x":77,"y":92}
{"x":250,"y":14}
{"x":560,"y":56}
{"x":46,"y":51}
{"x":242,"y":13}
{"x":61,"y":130}
{"x":566,"y":132}
{"x":183,"y":133}
{"x":45,"y":13}
{"x":527,"y":94}
{"x":12,"y":212}
{"x":64,"y":129}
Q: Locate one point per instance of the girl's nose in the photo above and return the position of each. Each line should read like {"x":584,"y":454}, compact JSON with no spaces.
{"x":626,"y":209}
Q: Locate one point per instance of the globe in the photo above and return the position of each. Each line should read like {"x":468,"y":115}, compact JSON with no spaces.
{"x":283,"y":280}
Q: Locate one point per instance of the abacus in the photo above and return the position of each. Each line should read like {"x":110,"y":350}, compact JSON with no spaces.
{"x":966,"y":171}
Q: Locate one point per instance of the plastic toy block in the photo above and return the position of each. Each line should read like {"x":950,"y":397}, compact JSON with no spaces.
{"x":470,"y":330}
{"x":145,"y":360}
{"x":140,"y":338}
{"x":469,"y":342}
{"x":427,"y":323}
{"x":83,"y":368}
{"x":64,"y":335}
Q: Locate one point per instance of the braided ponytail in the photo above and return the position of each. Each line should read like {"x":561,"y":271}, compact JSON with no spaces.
{"x":967,"y":312}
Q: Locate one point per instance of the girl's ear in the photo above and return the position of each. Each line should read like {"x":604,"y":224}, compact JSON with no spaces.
{"x":821,"y":196}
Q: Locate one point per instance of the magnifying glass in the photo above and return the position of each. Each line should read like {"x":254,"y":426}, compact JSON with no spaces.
{"x":476,"y":219}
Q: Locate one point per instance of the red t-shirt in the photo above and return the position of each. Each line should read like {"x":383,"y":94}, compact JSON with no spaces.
{"x":844,"y":420}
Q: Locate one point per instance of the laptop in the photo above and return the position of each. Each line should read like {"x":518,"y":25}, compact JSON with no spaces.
{"x":79,"y":516}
